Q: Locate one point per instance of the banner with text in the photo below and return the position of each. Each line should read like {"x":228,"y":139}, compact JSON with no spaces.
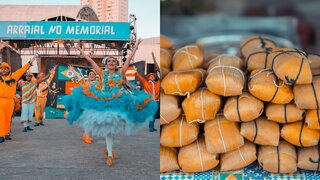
{"x":65,"y":30}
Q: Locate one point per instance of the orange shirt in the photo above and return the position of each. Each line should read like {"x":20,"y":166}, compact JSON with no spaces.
{"x":150,"y":87}
{"x":9,"y":91}
{"x":43,"y":87}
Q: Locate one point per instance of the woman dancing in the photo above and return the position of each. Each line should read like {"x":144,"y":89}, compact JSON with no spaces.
{"x":109,"y":106}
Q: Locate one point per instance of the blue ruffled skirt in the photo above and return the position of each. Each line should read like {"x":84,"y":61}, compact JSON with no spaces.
{"x":124,"y":114}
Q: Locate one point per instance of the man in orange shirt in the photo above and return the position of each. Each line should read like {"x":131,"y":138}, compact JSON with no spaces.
{"x":152,"y":87}
{"x":8,"y":84}
{"x":42,"y":92}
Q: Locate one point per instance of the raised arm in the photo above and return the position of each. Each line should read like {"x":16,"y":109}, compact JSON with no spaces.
{"x":94,"y":65}
{"x":17,"y":74}
{"x":3,"y":44}
{"x":156,"y":65}
{"x":52,"y":74}
{"x":127,"y":63}
{"x":155,"y":62}
{"x":140,"y":78}
{"x":71,"y":68}
{"x":52,"y":71}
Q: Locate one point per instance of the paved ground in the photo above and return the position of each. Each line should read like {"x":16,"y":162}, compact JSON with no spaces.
{"x":57,"y":151}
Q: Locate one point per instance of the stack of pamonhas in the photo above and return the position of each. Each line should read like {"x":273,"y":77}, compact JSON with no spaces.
{"x":228,"y":111}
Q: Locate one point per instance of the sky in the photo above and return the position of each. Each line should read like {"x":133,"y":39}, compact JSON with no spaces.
{"x":146,"y":11}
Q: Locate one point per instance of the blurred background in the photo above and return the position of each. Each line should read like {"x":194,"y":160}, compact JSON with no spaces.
{"x":291,"y":23}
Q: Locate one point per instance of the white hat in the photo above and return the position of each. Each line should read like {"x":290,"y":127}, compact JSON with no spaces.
{"x":105,"y":59}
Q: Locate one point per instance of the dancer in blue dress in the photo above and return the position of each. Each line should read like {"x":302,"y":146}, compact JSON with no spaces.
{"x":109,"y":106}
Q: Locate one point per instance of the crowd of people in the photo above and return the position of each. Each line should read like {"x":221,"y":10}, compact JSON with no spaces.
{"x":104,"y":105}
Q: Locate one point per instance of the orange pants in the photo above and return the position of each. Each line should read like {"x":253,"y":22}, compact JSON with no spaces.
{"x":6,"y":111}
{"x":39,"y":109}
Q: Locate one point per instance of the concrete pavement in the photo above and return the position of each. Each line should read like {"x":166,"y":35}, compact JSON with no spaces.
{"x":56,"y":151}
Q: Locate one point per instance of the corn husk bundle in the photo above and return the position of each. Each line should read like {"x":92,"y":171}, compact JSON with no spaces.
{"x":195,"y":157}
{"x":261,"y":131}
{"x":201,"y":106}
{"x":222,"y":135}
{"x":225,"y":76}
{"x":313,"y":119}
{"x":169,"y":108}
{"x":209,"y":58}
{"x":284,"y":113}
{"x":239,"y":158}
{"x":314,"y":64}
{"x":168,"y":159}
{"x":258,"y":59}
{"x":243,"y":108}
{"x":165,"y":42}
{"x":183,"y":83}
{"x":165,"y":63}
{"x":278,"y":159}
{"x":291,"y":66}
{"x":308,"y":158}
{"x":300,"y":135}
{"x":264,"y":85}
{"x":225,"y":60}
{"x":251,"y":43}
{"x":307,"y":96}
{"x":179,"y":133}
{"x":188,"y":57}
{"x":225,"y":80}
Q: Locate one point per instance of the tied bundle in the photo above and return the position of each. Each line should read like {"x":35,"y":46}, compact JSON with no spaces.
{"x":226,"y":111}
